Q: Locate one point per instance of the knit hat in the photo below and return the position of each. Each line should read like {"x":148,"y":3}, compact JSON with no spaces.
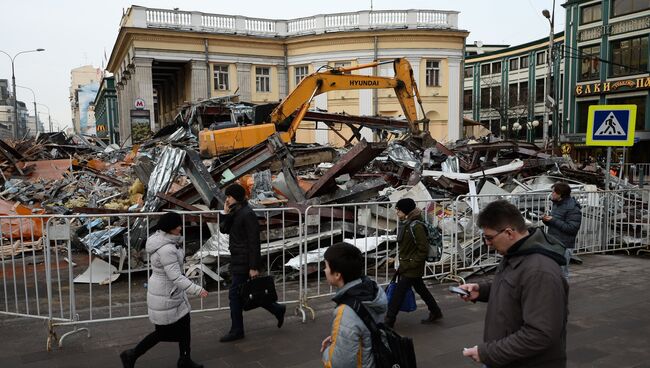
{"x":170,"y":221}
{"x":405,"y":205}
{"x":237,"y":192}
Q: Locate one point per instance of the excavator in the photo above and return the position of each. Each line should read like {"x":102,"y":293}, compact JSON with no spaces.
{"x":287,"y":115}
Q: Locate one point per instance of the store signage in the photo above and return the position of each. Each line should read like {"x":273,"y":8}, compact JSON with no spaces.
{"x":139,"y":103}
{"x":611,"y":125}
{"x":625,"y":85}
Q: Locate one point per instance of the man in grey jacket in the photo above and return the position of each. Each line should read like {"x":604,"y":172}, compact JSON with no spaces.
{"x":564,"y":220}
{"x":526,"y":318}
{"x":349,"y":345}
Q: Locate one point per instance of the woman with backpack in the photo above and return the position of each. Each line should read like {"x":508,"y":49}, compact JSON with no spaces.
{"x":413,"y":250}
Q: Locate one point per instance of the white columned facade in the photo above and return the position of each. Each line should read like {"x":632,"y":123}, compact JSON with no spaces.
{"x":454,"y":123}
{"x":143,"y":87}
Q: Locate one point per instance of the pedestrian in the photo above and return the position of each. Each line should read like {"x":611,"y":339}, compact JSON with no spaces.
{"x":167,"y":289}
{"x":526,"y":318}
{"x":564,"y":221}
{"x":350,"y":345}
{"x":240,"y":223}
{"x":413,"y":249}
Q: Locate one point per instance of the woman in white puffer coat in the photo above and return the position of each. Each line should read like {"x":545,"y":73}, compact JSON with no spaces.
{"x":169,"y":308}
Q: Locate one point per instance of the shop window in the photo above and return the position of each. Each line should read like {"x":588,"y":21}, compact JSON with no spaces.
{"x":590,"y":14}
{"x":590,"y":63}
{"x":514,"y":64}
{"x":629,"y":56}
{"x":467,"y":99}
{"x":639,"y":101}
{"x":583,"y":115}
{"x":622,"y":7}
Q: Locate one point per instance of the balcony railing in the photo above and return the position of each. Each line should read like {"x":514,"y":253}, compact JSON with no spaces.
{"x":218,"y":23}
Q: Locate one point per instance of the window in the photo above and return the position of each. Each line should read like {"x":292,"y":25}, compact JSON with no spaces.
{"x":622,"y":7}
{"x":590,"y":63}
{"x":539,"y":90}
{"x":523,"y":62}
{"x":433,"y":73}
{"x":485,"y":69}
{"x":485,"y":98}
{"x":514,"y":64}
{"x":467,"y":99}
{"x":541,"y":58}
{"x":469,"y":72}
{"x":639,"y":101}
{"x":629,"y":56}
{"x":496,"y":67}
{"x":301,"y":73}
{"x":583,"y":114}
{"x":523,"y":93}
{"x":496,"y":97}
{"x":221,"y":77}
{"x":513,"y":98}
{"x":262,"y":79}
{"x":590,"y":14}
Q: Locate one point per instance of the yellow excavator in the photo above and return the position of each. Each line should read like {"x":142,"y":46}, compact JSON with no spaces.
{"x":286,"y":117}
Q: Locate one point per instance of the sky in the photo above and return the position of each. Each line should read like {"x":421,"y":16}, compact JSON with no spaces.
{"x":78,"y":32}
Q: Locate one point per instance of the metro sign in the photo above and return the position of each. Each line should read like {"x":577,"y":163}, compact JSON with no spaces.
{"x":139,"y":103}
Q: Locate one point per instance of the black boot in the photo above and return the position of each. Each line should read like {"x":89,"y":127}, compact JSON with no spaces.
{"x":280,"y":315}
{"x":433,"y":316}
{"x":128,"y":358}
{"x":186,"y":362}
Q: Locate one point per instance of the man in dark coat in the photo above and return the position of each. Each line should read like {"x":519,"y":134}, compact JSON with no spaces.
{"x":564,"y":220}
{"x":413,"y":249}
{"x":526,"y":318}
{"x":240,"y":223}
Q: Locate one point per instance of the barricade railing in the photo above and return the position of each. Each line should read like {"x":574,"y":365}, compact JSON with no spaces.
{"x":372,"y":227}
{"x":71,"y":287}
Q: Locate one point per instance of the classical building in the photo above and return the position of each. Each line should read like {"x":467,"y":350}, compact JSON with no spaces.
{"x":505,"y":89}
{"x":106,"y":112}
{"x":163,"y":58}
{"x":606,"y":57}
{"x":84,"y":84}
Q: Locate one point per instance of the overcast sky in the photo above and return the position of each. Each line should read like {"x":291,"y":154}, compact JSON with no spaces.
{"x":76,"y":32}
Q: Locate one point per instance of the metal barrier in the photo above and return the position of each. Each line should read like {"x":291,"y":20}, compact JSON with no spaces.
{"x":634,"y":171}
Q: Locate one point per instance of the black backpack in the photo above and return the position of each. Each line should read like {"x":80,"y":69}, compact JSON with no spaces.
{"x":389,"y":349}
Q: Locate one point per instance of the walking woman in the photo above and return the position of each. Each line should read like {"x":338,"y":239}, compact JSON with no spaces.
{"x":169,"y":308}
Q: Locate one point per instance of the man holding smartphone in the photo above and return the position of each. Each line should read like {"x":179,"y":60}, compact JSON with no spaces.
{"x":526,"y":318}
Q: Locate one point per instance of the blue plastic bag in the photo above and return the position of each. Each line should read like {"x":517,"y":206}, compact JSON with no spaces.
{"x":408,"y":304}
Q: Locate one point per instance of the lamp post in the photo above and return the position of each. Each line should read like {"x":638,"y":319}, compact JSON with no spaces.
{"x":13,"y":81}
{"x":549,"y":88}
{"x":35,"y":111}
{"x":49,"y":117}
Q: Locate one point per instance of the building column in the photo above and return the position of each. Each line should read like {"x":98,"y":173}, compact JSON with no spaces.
{"x":123,"y":109}
{"x":142,"y":84}
{"x":365,"y":100}
{"x":244,"y":81}
{"x":198,"y":80}
{"x":454,"y":100}
{"x":320,"y":102}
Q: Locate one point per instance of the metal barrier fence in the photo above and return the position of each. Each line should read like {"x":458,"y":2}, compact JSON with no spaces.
{"x":44,"y":275}
{"x":634,"y":172}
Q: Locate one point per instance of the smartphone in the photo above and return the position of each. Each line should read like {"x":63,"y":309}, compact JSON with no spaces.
{"x":459,"y":291}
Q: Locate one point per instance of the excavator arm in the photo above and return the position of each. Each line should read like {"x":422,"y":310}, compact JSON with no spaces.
{"x":336,"y":80}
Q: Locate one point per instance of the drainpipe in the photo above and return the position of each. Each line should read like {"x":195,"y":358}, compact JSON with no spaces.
{"x":207,"y":68}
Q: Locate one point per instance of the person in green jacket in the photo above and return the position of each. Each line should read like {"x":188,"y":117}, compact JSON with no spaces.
{"x":413,"y":249}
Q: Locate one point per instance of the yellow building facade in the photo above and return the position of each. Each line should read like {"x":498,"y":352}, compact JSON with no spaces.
{"x":165,"y":58}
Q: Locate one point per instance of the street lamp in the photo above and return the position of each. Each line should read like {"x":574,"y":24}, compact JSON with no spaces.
{"x":49,"y":117}
{"x":549,"y":61}
{"x":35,"y":111}
{"x":13,"y":81}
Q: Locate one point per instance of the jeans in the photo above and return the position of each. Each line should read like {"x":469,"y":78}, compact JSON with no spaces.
{"x":178,"y":331}
{"x":236,"y":311}
{"x":403,"y":284}
{"x":568,"y":252}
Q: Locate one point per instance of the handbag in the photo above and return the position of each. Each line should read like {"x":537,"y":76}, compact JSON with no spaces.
{"x":408,"y":303}
{"x":257,"y":292}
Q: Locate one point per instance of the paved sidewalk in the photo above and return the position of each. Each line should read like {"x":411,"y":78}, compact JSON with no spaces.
{"x":609,"y":326}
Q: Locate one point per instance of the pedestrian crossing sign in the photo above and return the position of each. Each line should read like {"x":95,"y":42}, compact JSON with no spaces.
{"x":611,"y":125}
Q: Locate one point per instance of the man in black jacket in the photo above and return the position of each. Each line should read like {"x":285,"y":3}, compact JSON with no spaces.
{"x":564,"y":220}
{"x":241,"y":224}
